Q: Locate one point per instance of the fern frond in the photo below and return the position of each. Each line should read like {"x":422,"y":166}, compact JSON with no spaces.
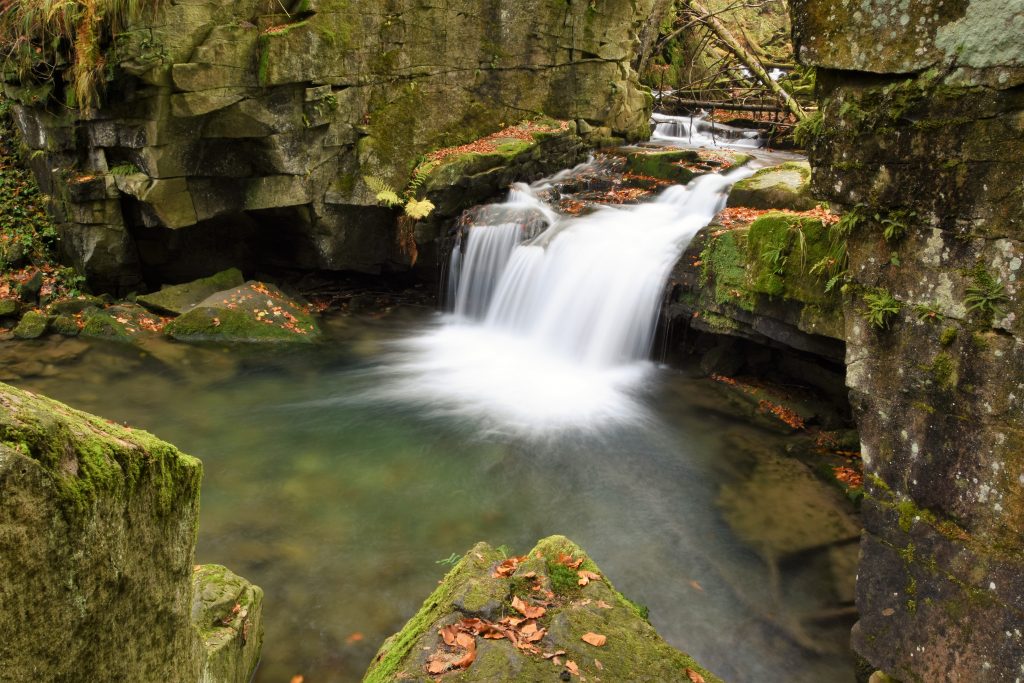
{"x":418,"y":208}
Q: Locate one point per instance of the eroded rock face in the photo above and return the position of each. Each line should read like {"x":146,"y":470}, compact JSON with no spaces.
{"x":922,"y":131}
{"x":97,"y":532}
{"x":248,"y":132}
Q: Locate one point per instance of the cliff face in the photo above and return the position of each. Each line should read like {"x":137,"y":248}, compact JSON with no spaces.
{"x":232,"y":127}
{"x":97,"y":533}
{"x":922,"y":138}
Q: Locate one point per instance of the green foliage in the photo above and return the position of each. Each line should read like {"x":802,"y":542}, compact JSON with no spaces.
{"x":125,"y":169}
{"x":881,"y":308}
{"x":928,"y":314}
{"x":64,"y":42}
{"x":896,"y":224}
{"x":986,"y":295}
{"x":450,"y":560}
{"x":809,"y":130}
{"x":414,"y":208}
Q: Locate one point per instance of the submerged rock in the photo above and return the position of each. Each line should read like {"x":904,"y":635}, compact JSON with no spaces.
{"x":560,"y":628}
{"x":787,"y":186}
{"x":178,"y":299}
{"x":254,"y":312}
{"x":97,"y":538}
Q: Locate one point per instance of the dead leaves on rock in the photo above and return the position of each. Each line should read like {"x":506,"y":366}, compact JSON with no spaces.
{"x":694,"y":676}
{"x":587,"y":576}
{"x":508,"y":567}
{"x":595,"y":639}
{"x":527,"y":610}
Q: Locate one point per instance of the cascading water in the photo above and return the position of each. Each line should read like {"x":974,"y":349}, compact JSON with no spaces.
{"x":553,"y":316}
{"x":697,"y":131}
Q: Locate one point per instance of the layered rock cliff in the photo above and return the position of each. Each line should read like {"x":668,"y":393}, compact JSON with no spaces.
{"x":922,"y":140}
{"x":241,"y":133}
{"x":97,"y":537}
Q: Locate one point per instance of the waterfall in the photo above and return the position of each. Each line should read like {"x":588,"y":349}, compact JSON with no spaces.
{"x":554,"y":315}
{"x":696,"y":131}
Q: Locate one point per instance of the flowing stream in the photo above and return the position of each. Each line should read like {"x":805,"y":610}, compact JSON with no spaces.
{"x":339,"y":477}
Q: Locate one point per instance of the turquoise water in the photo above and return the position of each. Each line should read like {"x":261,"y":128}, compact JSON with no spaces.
{"x":340,"y":502}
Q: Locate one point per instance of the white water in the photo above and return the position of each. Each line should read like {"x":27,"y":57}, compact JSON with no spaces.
{"x":696,"y":131}
{"x":554,"y":331}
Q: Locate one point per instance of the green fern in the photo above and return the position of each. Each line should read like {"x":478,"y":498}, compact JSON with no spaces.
{"x":986,"y":294}
{"x":882,"y":307}
{"x":385,"y":193}
{"x":418,"y":208}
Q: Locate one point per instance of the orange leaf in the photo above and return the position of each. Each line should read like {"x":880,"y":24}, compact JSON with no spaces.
{"x":528,"y":611}
{"x":448,"y":635}
{"x":508,"y":567}
{"x":587,"y":576}
{"x":599,"y":665}
{"x":437,"y":667}
{"x":571,"y":666}
{"x":354,"y":638}
{"x":603,"y":605}
{"x":569,"y":562}
{"x":468,"y":658}
{"x":694,"y":676}
{"x":595,"y":639}
{"x":298,"y":678}
{"x":465,"y":640}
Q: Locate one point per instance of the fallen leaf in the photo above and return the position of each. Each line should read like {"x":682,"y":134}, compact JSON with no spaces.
{"x":437,"y":667}
{"x":448,"y":635}
{"x":354,"y":638}
{"x":696,"y":586}
{"x":526,"y":610}
{"x":587,"y":576}
{"x":468,"y":658}
{"x":571,"y":666}
{"x":549,"y":655}
{"x":569,"y":562}
{"x":507,"y":567}
{"x":603,"y":605}
{"x":694,"y":676}
{"x":595,"y":639}
{"x":465,"y":640}
{"x":599,"y":665}
{"x":298,"y":678}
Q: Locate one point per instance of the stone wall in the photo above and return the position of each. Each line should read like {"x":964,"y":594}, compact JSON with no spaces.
{"x":97,"y":537}
{"x":241,"y":130}
{"x":923,"y":136}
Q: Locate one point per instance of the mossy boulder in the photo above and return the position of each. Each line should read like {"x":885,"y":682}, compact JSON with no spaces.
{"x":65,"y":325}
{"x":228,"y":612}
{"x":633,"y":650}
{"x":787,"y":186}
{"x":10,"y":308}
{"x":254,"y":312}
{"x":74,"y":305}
{"x":97,"y":538}
{"x":32,"y":325}
{"x":105,"y":325}
{"x":177,"y":299}
{"x":671,"y":166}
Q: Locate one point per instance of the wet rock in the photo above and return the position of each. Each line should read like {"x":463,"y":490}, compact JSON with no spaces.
{"x":669,"y":166}
{"x":32,"y":325}
{"x":254,"y":312}
{"x":103,"y":325}
{"x":177,"y":299}
{"x":787,"y":186}
{"x":633,"y":650}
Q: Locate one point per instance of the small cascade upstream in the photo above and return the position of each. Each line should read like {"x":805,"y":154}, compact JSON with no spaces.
{"x":697,"y":131}
{"x":552,"y":317}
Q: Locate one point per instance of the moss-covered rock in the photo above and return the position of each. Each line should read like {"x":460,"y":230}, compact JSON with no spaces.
{"x":97,"y":534}
{"x":633,"y":651}
{"x":253,"y":312}
{"x":101,"y":324}
{"x":672,"y":166}
{"x":10,"y":308}
{"x":228,"y":612}
{"x":177,"y":299}
{"x":787,"y":186}
{"x":32,"y":325}
{"x":65,"y":325}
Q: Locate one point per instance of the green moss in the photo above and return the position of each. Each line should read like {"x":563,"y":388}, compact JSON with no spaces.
{"x":563,"y":579}
{"x":943,"y":371}
{"x":103,"y":326}
{"x":90,"y":457}
{"x":723,"y":266}
{"x":664,"y":165}
{"x":948,"y":336}
{"x":783,"y":251}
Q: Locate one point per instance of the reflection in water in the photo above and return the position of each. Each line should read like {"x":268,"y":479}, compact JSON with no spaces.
{"x":340,"y":503}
